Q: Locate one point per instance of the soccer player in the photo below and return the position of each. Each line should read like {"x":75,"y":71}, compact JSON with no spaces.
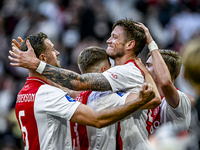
{"x":165,"y":66}
{"x":126,"y":41}
{"x":95,"y":59}
{"x":43,"y":111}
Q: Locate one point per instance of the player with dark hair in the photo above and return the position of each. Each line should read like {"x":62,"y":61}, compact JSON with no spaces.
{"x":44,"y":111}
{"x":126,"y":41}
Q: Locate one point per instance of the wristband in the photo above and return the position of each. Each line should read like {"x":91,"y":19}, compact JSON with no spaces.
{"x":152,"y":46}
{"x":41,"y":67}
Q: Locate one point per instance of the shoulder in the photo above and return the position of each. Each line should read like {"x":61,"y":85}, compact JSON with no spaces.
{"x":50,"y":89}
{"x":125,"y":69}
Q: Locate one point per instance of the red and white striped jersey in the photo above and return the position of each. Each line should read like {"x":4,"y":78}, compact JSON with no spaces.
{"x":179,"y":117}
{"x":131,"y":132}
{"x":43,"y":113}
{"x":79,"y":131}
{"x":86,"y":137}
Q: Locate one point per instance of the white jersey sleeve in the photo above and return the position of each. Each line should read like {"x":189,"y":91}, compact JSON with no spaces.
{"x":57,"y":102}
{"x":43,"y":112}
{"x":101,"y":100}
{"x":180,"y":116}
{"x":124,"y":77}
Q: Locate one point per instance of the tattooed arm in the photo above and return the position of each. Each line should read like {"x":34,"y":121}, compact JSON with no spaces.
{"x":66,"y":78}
{"x":75,"y":81}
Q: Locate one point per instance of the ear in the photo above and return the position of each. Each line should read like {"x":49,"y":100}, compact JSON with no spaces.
{"x":103,"y":69}
{"x":131,"y":45}
{"x":42,"y":57}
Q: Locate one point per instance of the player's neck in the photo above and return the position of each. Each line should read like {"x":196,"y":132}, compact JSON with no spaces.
{"x":35,"y":74}
{"x":123,"y":60}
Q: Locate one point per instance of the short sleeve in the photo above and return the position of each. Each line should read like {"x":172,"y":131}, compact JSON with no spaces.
{"x":124,"y":77}
{"x":58,"y":103}
{"x":180,"y":114}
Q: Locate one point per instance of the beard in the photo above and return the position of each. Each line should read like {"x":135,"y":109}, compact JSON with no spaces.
{"x":115,"y":55}
{"x":58,"y":65}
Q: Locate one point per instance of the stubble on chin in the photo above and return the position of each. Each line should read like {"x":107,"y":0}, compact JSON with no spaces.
{"x":58,"y":65}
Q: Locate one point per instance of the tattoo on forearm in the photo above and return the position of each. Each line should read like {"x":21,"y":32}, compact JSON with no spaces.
{"x":75,"y":81}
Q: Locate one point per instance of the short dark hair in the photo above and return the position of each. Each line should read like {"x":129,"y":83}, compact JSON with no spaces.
{"x":173,"y":61}
{"x":37,"y":42}
{"x":90,"y":57}
{"x":132,"y":32}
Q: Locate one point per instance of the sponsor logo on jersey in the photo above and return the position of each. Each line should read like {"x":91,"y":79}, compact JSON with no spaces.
{"x":113,"y":75}
{"x":69,"y":98}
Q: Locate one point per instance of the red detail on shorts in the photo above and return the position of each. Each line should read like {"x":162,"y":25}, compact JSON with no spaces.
{"x":119,"y":139}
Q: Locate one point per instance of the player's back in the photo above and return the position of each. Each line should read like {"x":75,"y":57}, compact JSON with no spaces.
{"x":25,"y":114}
{"x":104,"y":138}
{"x":43,"y":112}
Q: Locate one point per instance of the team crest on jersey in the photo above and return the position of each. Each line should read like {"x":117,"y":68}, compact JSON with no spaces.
{"x":79,"y":99}
{"x":156,"y":110}
{"x":69,"y":98}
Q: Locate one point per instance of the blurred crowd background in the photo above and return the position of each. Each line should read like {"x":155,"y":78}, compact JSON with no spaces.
{"x":73,"y":25}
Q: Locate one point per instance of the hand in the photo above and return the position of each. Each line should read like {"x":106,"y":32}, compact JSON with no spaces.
{"x":146,"y":93}
{"x":149,"y":39}
{"x":16,"y":44}
{"x":141,"y":66}
{"x":26,"y":59}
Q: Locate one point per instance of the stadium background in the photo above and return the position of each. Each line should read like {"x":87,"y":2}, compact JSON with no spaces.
{"x":73,"y":25}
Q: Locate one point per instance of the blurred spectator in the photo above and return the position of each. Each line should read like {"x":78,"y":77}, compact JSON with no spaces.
{"x":183,"y":26}
{"x":191,"y":61}
{"x":171,"y":138}
{"x":75,"y":24}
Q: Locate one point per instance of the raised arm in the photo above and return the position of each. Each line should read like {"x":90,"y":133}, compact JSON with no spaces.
{"x":164,"y":79}
{"x":161,"y":71}
{"x":99,"y":119}
{"x":148,"y":79}
{"x":67,"y":78}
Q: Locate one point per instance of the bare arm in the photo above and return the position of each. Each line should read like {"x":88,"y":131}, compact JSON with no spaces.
{"x":17,"y":45}
{"x":164,"y":79}
{"x":75,"y":81}
{"x":99,"y":119}
{"x":74,"y":94}
{"x":162,"y":73}
{"x":148,"y":79}
{"x":66,"y":78}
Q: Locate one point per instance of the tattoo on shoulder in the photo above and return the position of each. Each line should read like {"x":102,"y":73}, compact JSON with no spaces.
{"x":75,"y":81}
